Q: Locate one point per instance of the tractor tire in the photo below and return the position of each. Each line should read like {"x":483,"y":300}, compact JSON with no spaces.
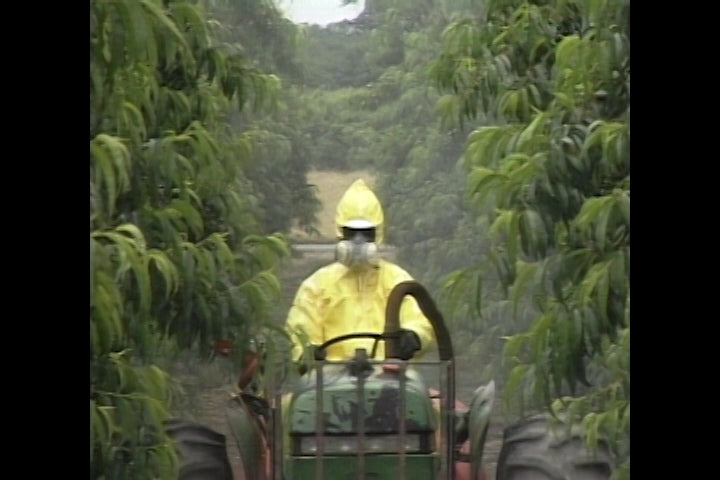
{"x":531,"y":450}
{"x":203,"y":453}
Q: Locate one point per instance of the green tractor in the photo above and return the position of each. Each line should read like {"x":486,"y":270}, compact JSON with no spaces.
{"x":366,"y":418}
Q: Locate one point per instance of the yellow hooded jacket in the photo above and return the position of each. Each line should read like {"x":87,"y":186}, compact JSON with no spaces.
{"x":337,"y":300}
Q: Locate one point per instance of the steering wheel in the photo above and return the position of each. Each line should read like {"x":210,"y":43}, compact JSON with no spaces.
{"x":320,"y":352}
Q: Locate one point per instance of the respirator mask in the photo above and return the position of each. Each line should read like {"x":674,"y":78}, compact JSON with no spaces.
{"x":357,"y":249}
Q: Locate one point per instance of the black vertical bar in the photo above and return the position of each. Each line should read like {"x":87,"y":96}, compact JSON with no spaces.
{"x":403,"y":427}
{"x":361,"y":426}
{"x":450,"y":417}
{"x":276,"y":431}
{"x":319,"y":421}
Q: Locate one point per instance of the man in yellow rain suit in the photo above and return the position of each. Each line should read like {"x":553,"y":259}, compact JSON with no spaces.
{"x":350,"y":294}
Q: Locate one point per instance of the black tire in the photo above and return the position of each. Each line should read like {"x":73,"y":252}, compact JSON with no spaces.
{"x":532,"y":451}
{"x":203,"y":453}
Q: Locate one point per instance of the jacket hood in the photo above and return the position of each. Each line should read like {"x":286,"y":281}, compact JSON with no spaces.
{"x":358,"y":205}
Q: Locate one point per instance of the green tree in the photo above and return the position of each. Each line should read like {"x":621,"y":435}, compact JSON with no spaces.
{"x":279,"y":162}
{"x":549,"y":167}
{"x":342,"y":62}
{"x":177,"y":249}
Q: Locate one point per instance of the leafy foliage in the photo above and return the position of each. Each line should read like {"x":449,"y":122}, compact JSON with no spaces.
{"x":178,"y":250}
{"x":343,"y":62}
{"x":549,"y":167}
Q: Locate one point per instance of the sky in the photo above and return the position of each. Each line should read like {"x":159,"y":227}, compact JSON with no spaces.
{"x":320,"y":12}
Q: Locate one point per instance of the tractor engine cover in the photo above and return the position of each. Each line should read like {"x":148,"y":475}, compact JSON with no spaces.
{"x":380,"y":402}
{"x":370,"y":449}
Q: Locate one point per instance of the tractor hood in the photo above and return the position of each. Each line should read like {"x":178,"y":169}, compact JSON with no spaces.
{"x":380,"y":408}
